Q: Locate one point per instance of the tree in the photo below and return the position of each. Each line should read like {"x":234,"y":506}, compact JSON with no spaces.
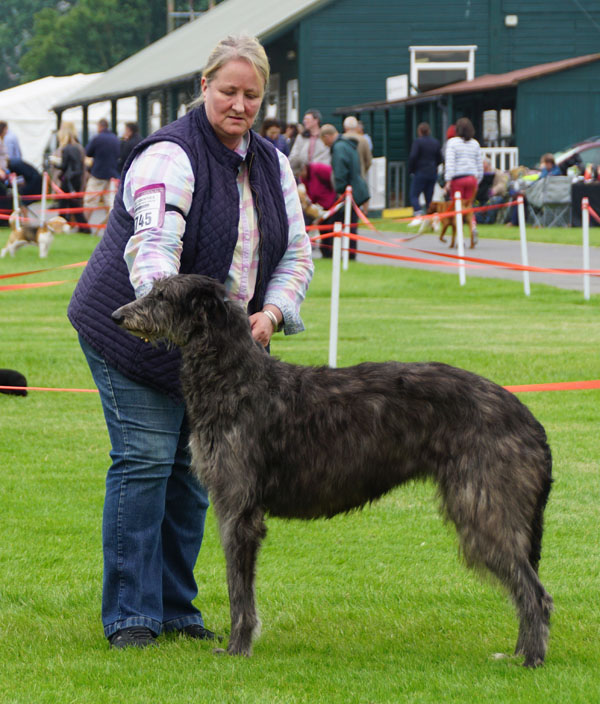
{"x":16,"y":28}
{"x":93,"y":35}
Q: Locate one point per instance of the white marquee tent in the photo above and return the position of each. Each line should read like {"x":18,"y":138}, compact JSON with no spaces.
{"x":28,"y":111}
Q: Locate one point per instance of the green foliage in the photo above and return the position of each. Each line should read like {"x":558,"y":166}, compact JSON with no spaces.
{"x":92,"y":36}
{"x":16,"y":28}
{"x":367,"y":608}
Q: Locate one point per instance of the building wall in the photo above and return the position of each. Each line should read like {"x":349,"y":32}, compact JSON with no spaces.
{"x":556,"y":111}
{"x":347,"y":48}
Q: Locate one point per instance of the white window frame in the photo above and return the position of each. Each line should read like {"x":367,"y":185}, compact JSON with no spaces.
{"x":292,"y":111}
{"x":416,"y":68}
{"x":272,"y":101}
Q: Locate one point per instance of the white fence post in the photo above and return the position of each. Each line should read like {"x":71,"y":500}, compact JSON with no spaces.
{"x":335,"y":294}
{"x":460,"y":240}
{"x":585,"y":224}
{"x":15,"y":197}
{"x":347,"y":219}
{"x":523,"y":238}
{"x":44,"y":195}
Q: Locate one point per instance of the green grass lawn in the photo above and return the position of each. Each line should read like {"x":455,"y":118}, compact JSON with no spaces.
{"x":368,"y":607}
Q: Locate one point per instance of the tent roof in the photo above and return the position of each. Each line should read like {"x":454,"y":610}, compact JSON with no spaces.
{"x":33,"y":100}
{"x":181,"y":54}
{"x":487,"y":82}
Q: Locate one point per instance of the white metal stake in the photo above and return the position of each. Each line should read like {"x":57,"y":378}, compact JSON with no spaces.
{"x":347,"y":220}
{"x":335,"y":294}
{"x":523,"y":238}
{"x":585,"y":225}
{"x":460,"y":240}
{"x":44,"y":192}
{"x":15,"y":196}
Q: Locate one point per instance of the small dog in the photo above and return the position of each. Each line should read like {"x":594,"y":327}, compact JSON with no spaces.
{"x":309,"y":442}
{"x":26,"y":233}
{"x":437,"y":209}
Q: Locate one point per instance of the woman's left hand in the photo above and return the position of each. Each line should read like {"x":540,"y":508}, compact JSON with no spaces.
{"x":262,"y":326}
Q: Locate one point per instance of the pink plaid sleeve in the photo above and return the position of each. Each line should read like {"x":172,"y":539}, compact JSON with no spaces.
{"x":156,"y":252}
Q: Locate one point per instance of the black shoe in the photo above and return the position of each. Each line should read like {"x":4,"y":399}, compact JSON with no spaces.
{"x":195,"y":630}
{"x":136,"y":636}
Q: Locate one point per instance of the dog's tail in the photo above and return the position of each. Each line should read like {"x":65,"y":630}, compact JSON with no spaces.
{"x":537,"y":525}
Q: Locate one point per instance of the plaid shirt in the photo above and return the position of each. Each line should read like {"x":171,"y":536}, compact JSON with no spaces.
{"x":156,"y":253}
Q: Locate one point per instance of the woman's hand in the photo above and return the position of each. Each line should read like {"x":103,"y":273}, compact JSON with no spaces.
{"x":262,"y":325}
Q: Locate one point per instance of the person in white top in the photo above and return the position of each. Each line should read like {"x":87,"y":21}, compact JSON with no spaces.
{"x":463,"y":168}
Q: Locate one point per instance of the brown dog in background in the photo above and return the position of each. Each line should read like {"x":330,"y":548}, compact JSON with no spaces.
{"x":26,"y":233}
{"x":437,"y":209}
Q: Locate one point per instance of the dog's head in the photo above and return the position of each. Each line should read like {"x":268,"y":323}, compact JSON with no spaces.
{"x":176,"y":309}
{"x":19,"y":215}
{"x":58,"y":224}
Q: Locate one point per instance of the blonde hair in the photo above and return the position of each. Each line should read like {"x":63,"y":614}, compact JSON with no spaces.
{"x":67,"y":134}
{"x":236,"y":47}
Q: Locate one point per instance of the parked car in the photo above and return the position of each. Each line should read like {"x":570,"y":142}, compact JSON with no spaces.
{"x":579,"y":155}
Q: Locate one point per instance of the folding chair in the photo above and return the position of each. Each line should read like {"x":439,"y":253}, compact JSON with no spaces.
{"x":549,"y":201}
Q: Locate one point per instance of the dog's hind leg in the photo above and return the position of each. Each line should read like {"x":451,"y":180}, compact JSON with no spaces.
{"x":534,"y":606}
{"x":511,"y":566}
{"x":242,"y":536}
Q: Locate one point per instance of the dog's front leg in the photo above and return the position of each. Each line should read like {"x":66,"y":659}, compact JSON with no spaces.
{"x":241,"y":536}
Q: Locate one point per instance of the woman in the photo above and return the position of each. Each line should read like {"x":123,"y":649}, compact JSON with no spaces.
{"x":70,"y":162}
{"x":463,"y":168}
{"x":202,"y":195}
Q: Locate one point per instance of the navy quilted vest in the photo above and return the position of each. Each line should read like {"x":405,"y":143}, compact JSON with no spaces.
{"x":208,"y":244}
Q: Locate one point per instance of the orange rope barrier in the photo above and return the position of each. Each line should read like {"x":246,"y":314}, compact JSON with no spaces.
{"x":592,"y":384}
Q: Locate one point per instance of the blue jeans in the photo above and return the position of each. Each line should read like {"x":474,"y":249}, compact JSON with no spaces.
{"x":154,"y":507}
{"x":421,"y":184}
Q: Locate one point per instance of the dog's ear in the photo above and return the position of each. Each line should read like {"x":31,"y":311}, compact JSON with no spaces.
{"x":209,"y":295}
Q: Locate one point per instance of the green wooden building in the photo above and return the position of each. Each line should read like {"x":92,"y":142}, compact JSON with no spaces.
{"x":393,"y":63}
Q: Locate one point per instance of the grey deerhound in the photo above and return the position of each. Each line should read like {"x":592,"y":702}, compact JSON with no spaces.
{"x":308,"y":442}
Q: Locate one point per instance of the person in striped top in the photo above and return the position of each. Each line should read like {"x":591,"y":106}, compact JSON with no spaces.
{"x":463,"y":167}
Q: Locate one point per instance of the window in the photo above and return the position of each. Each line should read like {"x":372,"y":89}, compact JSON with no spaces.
{"x":292,"y":101}
{"x":435,"y":66}
{"x":272,"y":101}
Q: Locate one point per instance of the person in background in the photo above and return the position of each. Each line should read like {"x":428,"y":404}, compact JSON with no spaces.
{"x":103,"y":153}
{"x":70,"y":162}
{"x":317,"y":195}
{"x":492,"y":190}
{"x":308,"y":146}
{"x":463,"y":167}
{"x":423,"y":161}
{"x":3,"y":160}
{"x":29,"y":181}
{"x":202,"y":195}
{"x":131,"y":137}
{"x":351,"y":131}
{"x":346,"y":172}
{"x":11,"y":142}
{"x":549,"y":167}
{"x":292,"y":130}
{"x":361,"y":131}
{"x":271,"y":130}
